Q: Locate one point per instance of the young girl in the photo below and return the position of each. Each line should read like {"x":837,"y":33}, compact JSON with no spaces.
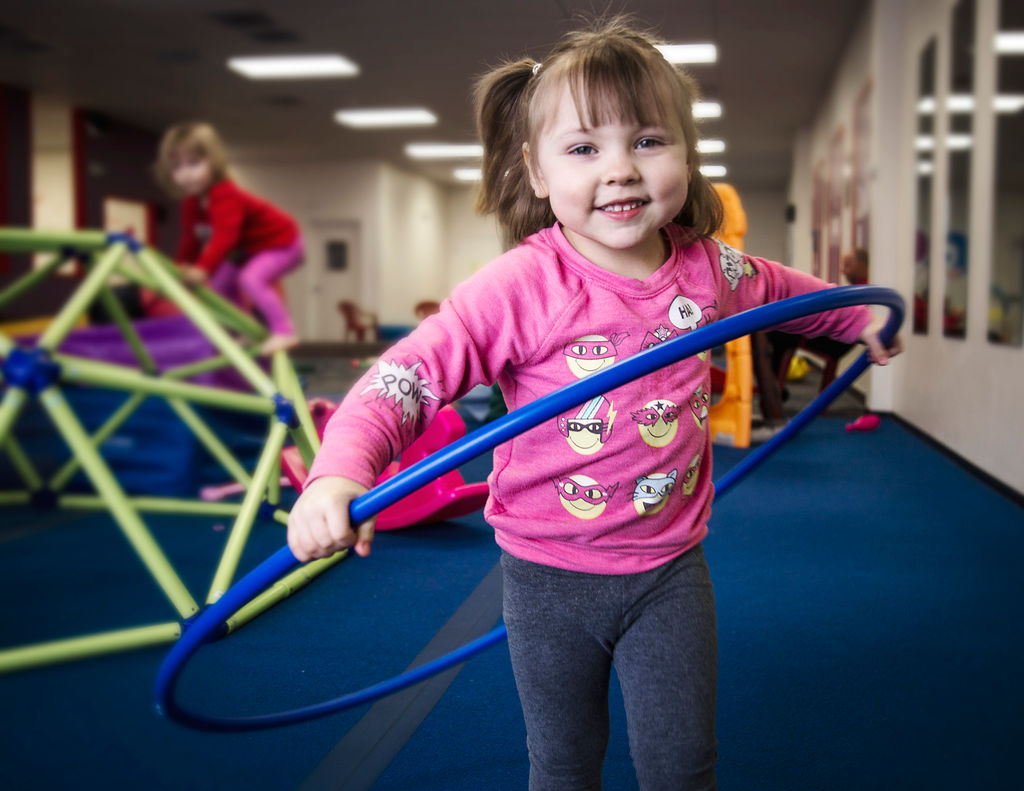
{"x":221,"y":222}
{"x":592,"y":168}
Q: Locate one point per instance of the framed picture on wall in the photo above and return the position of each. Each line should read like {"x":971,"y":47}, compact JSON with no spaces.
{"x":861,"y":199}
{"x":128,"y":215}
{"x":836,"y":185}
{"x":818,"y":191}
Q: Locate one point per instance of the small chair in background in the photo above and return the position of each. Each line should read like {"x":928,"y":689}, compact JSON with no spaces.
{"x":358,"y":322}
{"x":427,"y":307}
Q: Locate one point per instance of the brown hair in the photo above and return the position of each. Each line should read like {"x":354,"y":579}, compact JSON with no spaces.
{"x":197,"y":138}
{"x":613,"y":70}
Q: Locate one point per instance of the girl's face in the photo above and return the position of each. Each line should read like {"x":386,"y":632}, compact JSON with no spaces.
{"x":612,"y":187}
{"x":191,"y":172}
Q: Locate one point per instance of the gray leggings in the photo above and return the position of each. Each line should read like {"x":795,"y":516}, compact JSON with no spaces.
{"x":564,"y":631}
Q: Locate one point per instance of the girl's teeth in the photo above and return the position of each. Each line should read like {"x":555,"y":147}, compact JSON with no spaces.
{"x":619,"y":207}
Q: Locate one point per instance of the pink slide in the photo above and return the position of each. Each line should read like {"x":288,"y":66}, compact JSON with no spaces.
{"x":446,"y":497}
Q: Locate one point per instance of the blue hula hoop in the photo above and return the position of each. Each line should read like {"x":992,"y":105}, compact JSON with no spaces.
{"x":210,"y":621}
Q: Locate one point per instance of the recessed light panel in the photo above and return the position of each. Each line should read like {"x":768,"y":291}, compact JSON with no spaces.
{"x":689,"y":53}
{"x":444,"y":150}
{"x":293,"y":67}
{"x":385,"y":117}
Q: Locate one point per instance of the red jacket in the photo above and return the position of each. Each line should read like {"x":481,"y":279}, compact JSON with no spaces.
{"x":229,"y":219}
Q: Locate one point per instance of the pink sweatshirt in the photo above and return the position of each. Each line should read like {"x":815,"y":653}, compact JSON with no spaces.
{"x":621,"y":484}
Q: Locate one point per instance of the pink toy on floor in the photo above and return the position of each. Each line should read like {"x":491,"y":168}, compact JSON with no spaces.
{"x":446,"y":497}
{"x":864,"y":423}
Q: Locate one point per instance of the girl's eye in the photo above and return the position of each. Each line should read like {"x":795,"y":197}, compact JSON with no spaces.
{"x":648,"y":142}
{"x":582,"y":150}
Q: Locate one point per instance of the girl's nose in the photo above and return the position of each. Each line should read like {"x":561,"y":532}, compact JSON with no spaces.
{"x":620,"y":168}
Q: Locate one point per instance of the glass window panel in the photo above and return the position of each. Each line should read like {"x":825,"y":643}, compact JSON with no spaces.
{"x":1005,"y":321}
{"x":923,"y":168}
{"x":959,"y":145}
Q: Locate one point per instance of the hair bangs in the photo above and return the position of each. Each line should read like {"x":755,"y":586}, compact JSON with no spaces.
{"x":619,"y":83}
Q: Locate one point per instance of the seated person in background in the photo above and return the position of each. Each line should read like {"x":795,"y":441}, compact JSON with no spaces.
{"x":855,"y":270}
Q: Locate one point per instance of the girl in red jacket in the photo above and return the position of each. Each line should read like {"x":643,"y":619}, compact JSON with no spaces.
{"x":238,"y":243}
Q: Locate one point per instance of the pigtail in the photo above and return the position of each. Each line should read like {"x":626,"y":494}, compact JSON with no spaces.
{"x":702,"y":213}
{"x":501,"y":101}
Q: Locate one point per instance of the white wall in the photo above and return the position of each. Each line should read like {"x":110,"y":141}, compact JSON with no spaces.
{"x":318,"y":194}
{"x":472,"y":240}
{"x":53,"y":189}
{"x":418,"y":238}
{"x":967,"y":394}
{"x":766,"y":224}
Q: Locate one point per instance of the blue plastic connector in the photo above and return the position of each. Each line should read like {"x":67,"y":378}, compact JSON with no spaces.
{"x":44,"y":499}
{"x":130,"y":241}
{"x":32,"y":369}
{"x":266,"y":511}
{"x":284,"y":410}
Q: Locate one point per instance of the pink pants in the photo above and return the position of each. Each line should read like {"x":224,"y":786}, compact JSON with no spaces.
{"x":256,"y":279}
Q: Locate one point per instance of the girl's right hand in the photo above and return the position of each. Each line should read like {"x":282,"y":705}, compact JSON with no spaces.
{"x":318,"y":524}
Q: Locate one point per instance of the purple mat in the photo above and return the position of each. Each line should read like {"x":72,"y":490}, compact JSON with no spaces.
{"x":171,"y":341}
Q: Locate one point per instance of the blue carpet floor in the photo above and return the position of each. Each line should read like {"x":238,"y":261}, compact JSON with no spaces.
{"x":869,"y":601}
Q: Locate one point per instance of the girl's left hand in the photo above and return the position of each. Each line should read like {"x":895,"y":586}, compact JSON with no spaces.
{"x":193,"y":275}
{"x":880,"y":355}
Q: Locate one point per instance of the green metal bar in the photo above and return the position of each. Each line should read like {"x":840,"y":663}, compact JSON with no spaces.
{"x":54,"y":651}
{"x":110,"y":490}
{"x":210,"y":441}
{"x":283,"y":588}
{"x":305,"y":436}
{"x":102,"y":434}
{"x":223,"y":310}
{"x":230,"y":315}
{"x":31,"y":240}
{"x":15,"y":498}
{"x":30,"y":280}
{"x":80,"y":370}
{"x":137,"y":276}
{"x":201,"y":367}
{"x":22,"y":464}
{"x":10,"y":407}
{"x":201,"y":318}
{"x":250,"y":504}
{"x":82,"y":298}
{"x":154,"y":505}
{"x":131,"y":337}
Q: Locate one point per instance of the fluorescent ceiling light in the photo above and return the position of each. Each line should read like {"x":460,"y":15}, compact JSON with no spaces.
{"x":964,"y":103}
{"x":707,"y":110}
{"x":713,"y":171}
{"x":385,"y":117}
{"x":1009,"y":103}
{"x":444,"y":150}
{"x":710,"y":146}
{"x":293,"y":67}
{"x":954,"y":142}
{"x":689,"y":53}
{"x":467,"y":174}
{"x":1010,"y":42}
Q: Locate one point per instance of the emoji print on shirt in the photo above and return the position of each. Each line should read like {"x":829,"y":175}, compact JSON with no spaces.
{"x":690,"y":476}
{"x":589,"y":427}
{"x":582,"y":496}
{"x":652,"y":491}
{"x":699,"y":405}
{"x":657,"y":421}
{"x":591,"y":353}
{"x":654,"y":337}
